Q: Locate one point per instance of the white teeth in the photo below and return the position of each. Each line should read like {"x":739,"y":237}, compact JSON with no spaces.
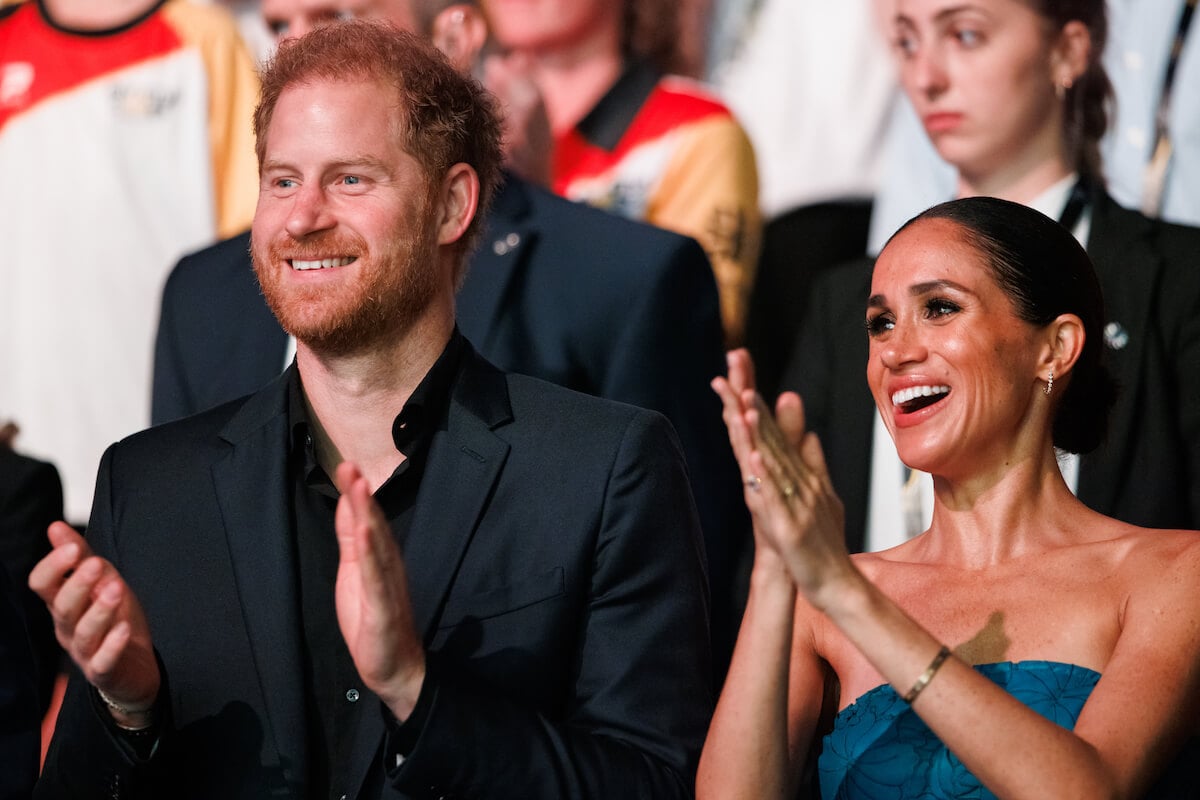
{"x":913,"y":392}
{"x":324,"y":263}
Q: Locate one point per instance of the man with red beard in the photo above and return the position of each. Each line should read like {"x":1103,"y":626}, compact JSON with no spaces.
{"x":513,"y":604}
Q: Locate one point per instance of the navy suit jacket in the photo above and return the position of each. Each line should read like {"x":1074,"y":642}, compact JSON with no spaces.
{"x":557,"y":290}
{"x":556,"y":573}
{"x":1147,"y":472}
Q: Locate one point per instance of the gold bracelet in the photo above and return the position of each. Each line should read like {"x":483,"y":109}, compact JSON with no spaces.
{"x":927,"y":675}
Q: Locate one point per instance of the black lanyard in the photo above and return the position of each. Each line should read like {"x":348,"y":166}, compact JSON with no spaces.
{"x":1164,"y":99}
{"x":1154,"y":180}
{"x":1076,"y":203}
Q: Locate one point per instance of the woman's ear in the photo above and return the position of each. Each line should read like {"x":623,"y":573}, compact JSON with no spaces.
{"x":1065,"y":338}
{"x":460,"y":32}
{"x":1071,"y":55}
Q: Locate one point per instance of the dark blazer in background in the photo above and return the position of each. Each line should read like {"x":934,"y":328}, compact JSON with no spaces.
{"x":20,"y":714}
{"x":556,"y":290}
{"x":31,"y":498}
{"x":1148,"y":470}
{"x":556,"y":572}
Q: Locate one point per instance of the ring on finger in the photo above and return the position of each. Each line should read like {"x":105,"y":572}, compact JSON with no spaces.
{"x":754,"y":483}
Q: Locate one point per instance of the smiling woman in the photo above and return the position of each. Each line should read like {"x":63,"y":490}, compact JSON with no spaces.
{"x":1024,"y":645}
{"x":976,"y":312}
{"x":1013,"y":95}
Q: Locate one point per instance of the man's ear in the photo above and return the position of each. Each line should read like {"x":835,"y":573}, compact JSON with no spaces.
{"x":460,"y":31}
{"x":458,"y":200}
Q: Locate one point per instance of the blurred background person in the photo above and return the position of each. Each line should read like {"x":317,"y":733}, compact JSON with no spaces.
{"x":124,"y":143}
{"x":30,"y":499}
{"x":255,"y":34}
{"x":20,"y":716}
{"x":630,"y":136}
{"x":813,"y":85}
{"x":1151,"y":149}
{"x":1013,"y":96}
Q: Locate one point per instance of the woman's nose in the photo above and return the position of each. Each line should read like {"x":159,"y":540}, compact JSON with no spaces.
{"x":902,"y":346}
{"x":926,"y":72}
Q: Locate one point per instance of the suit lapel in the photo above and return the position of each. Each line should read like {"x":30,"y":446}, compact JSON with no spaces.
{"x":464,"y":465}
{"x":495,"y":266}
{"x":253,"y":493}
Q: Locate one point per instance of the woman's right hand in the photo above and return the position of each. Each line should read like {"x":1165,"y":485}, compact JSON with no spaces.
{"x":798,"y":519}
{"x":768,"y":562}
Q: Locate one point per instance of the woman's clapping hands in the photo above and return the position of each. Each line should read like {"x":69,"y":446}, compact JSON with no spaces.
{"x":798,"y":519}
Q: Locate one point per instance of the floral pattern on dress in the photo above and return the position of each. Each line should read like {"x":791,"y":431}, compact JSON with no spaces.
{"x":879,"y":749}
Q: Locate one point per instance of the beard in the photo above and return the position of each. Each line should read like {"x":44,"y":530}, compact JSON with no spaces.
{"x":380,"y":297}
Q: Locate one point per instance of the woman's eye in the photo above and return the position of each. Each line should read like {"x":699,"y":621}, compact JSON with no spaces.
{"x":968,"y":37}
{"x":941,"y":308}
{"x":879,"y":324}
{"x":905,"y":44}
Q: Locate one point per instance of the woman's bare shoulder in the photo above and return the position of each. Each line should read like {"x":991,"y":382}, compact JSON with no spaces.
{"x":1153,"y":562}
{"x":1159,"y":548}
{"x":1137,"y":543}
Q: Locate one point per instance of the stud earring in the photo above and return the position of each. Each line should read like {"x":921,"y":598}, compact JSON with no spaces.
{"x":1061,"y":88}
{"x":1049,"y":384}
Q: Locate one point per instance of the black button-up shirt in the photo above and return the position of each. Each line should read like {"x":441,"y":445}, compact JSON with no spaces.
{"x":337,"y":698}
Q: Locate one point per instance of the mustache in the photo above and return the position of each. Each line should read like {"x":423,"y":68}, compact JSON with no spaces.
{"x":318,"y":245}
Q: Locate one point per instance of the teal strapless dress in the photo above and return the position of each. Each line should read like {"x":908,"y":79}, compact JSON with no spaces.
{"x":879,"y":749}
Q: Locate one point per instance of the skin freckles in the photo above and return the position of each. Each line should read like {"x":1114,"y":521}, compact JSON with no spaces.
{"x":365,"y":201}
{"x":937,"y":317}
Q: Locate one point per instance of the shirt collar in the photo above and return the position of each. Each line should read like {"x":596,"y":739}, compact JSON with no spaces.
{"x":413,"y":427}
{"x":1053,"y":200}
{"x":606,"y":123}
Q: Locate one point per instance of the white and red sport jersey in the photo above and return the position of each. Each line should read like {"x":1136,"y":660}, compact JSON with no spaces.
{"x":665,"y":150}
{"x":120,"y":151}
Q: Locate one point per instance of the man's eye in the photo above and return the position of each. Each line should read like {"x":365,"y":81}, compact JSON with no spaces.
{"x":285,"y":183}
{"x":351,"y":180}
